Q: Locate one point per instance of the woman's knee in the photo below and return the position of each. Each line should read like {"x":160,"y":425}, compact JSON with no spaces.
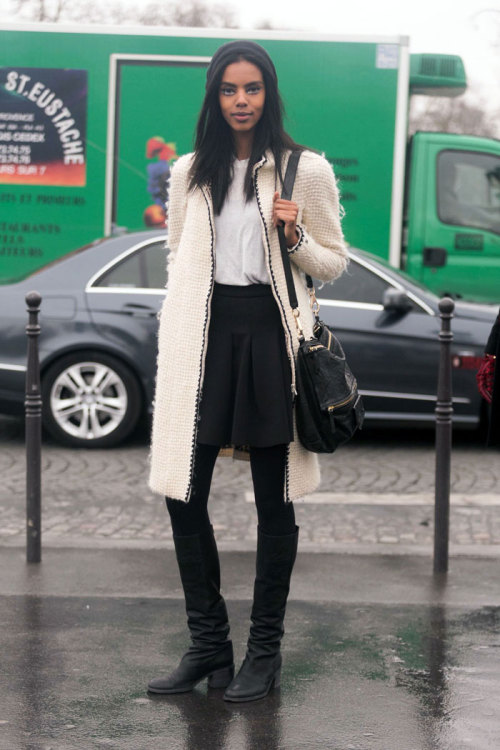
{"x":275,"y":516}
{"x":277,"y":520}
{"x":192,"y":517}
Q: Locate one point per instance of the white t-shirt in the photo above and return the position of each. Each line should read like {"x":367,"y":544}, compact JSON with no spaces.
{"x":239,"y":250}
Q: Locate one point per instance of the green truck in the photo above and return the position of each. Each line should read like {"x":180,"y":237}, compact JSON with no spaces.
{"x":92,"y":118}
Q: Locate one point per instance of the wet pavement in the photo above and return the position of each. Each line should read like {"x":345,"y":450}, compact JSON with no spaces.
{"x":378,"y":655}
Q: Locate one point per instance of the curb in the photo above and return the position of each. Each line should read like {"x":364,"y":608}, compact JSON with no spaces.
{"x":245,"y":546}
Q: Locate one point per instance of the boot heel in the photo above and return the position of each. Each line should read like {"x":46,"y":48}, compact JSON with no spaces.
{"x":277,"y":678}
{"x":221,"y":678}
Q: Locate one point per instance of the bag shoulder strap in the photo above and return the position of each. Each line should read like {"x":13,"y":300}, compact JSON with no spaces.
{"x":289,"y":179}
{"x":286,"y":194}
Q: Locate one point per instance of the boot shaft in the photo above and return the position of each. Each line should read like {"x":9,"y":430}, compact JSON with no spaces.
{"x":274,"y":565}
{"x":199,"y":569}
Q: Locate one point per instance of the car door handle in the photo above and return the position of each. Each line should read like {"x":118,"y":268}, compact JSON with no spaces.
{"x":139,"y":311}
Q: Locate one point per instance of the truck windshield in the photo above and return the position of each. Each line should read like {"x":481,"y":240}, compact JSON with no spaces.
{"x":468,"y":189}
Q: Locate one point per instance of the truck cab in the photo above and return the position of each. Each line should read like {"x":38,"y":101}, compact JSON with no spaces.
{"x":452,"y":218}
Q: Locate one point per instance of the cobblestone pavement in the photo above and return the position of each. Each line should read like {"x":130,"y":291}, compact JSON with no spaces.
{"x":376,"y":492}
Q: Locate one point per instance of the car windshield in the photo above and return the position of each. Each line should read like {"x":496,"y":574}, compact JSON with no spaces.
{"x":396,"y":272}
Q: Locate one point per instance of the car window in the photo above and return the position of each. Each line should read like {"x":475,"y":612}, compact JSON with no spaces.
{"x":357,"y":284}
{"x":144,"y":269}
{"x":468,"y":189}
{"x":156,"y":265}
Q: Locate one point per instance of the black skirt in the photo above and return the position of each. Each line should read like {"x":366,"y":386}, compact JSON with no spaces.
{"x":246,"y":396}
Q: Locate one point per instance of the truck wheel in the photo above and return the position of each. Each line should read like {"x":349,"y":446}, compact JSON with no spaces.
{"x":90,"y":400}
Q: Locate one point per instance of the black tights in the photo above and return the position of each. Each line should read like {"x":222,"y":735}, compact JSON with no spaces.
{"x":275,"y":517}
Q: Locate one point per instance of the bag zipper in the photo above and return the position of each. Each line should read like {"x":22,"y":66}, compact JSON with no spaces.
{"x":342,"y":403}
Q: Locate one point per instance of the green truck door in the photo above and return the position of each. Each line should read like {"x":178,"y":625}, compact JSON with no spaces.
{"x":156,"y":104}
{"x":454,"y":215}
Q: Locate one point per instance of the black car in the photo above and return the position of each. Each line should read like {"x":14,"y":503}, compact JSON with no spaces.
{"x":98,"y":340}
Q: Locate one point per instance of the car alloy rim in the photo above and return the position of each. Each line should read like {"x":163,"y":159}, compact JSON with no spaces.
{"x":88,"y":400}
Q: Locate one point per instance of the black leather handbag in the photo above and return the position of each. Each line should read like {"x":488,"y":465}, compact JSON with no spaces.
{"x":329,"y":408}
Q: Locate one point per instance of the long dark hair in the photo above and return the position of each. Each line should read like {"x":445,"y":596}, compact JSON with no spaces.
{"x":214,"y":144}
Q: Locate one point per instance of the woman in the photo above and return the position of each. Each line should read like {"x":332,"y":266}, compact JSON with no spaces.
{"x":226,"y":355}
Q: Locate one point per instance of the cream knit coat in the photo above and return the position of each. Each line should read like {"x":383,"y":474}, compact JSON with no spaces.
{"x":185,"y":315}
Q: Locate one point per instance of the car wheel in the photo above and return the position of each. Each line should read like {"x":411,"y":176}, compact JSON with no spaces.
{"x":90,"y":400}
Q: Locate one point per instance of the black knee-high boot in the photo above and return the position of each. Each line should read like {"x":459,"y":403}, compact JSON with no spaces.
{"x":261,"y":668}
{"x":211,"y":652}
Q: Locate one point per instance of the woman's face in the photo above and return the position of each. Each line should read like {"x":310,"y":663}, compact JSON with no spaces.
{"x":242,"y":96}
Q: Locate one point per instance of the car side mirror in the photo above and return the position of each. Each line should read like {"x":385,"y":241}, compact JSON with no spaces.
{"x":396,"y":300}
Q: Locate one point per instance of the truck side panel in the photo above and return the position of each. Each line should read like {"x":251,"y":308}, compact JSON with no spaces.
{"x":340,"y":96}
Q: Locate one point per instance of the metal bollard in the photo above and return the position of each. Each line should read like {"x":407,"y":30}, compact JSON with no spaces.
{"x":444,"y":413}
{"x":33,"y":414}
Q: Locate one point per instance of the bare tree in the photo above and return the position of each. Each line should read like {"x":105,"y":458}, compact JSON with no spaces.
{"x":39,"y":10}
{"x":486,"y":23}
{"x":453,"y":115}
{"x":266,"y":25}
{"x":195,"y":13}
{"x":94,"y":11}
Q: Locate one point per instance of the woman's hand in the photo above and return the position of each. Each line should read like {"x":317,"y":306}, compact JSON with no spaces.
{"x":286,"y":212}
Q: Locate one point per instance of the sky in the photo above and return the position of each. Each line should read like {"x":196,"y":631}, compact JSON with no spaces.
{"x":469,"y":28}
